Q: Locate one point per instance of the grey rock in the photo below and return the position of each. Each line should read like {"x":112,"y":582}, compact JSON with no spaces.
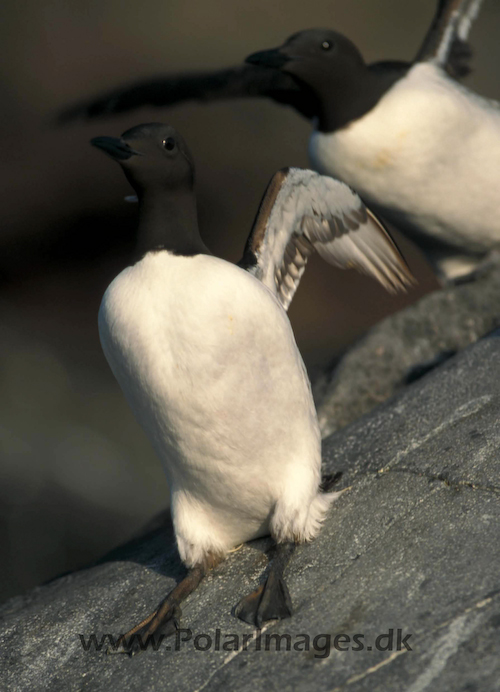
{"x":411,"y":545}
{"x":403,"y":346}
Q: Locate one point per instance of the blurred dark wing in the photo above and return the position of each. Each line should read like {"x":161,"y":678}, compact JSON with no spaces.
{"x":446,"y":41}
{"x":302,"y":212}
{"x":245,"y":81}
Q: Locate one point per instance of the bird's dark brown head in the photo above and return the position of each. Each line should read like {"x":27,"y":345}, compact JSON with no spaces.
{"x":317,"y":57}
{"x":333,"y":70}
{"x":153,"y":156}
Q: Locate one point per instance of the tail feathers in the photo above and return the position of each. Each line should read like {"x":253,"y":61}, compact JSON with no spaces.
{"x":300,"y":524}
{"x":318,"y":512}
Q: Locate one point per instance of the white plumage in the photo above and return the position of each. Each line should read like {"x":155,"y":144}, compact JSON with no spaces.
{"x":208,"y":363}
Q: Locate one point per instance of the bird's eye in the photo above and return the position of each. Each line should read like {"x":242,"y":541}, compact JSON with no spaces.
{"x":326,"y":45}
{"x":169,"y":143}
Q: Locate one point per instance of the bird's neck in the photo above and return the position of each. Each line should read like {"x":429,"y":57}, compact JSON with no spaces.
{"x":169,"y":221}
{"x":348,"y":97}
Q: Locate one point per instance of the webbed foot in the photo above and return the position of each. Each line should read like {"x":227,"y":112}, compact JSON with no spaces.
{"x":271,"y":601}
{"x":163,"y":622}
{"x":149,"y":633}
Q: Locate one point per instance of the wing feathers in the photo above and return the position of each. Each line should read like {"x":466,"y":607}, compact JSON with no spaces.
{"x":468,"y":16}
{"x":302,"y":212}
{"x":243,"y":81}
{"x":446,"y":41}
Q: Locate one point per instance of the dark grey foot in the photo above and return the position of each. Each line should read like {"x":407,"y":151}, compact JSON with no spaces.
{"x":150,"y":633}
{"x":271,"y":601}
{"x":163,"y":622}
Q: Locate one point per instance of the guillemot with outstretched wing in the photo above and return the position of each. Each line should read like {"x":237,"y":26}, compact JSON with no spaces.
{"x":206,"y":357}
{"x":422,"y":150}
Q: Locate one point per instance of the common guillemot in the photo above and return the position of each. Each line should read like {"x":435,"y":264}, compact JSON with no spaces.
{"x":423,"y":151}
{"x":205,"y":355}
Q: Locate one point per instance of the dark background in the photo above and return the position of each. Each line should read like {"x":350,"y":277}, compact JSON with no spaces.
{"x":77,"y":474}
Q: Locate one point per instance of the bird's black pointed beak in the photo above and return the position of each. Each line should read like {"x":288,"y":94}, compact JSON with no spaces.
{"x":275,"y":58}
{"x":115,"y":147}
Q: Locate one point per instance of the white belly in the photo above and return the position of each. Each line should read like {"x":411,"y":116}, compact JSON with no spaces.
{"x":206,"y":358}
{"x":427,"y":156}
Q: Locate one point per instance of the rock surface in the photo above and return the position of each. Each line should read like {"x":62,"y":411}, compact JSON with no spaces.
{"x":412,"y":545}
{"x":406,"y":344}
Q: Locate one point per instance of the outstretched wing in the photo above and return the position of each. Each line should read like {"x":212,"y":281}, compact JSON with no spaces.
{"x":236,"y":82}
{"x":302,"y":212}
{"x":446,"y":41}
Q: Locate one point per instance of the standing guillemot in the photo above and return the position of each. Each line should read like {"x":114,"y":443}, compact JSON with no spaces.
{"x":205,"y":355}
{"x":421,"y":150}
